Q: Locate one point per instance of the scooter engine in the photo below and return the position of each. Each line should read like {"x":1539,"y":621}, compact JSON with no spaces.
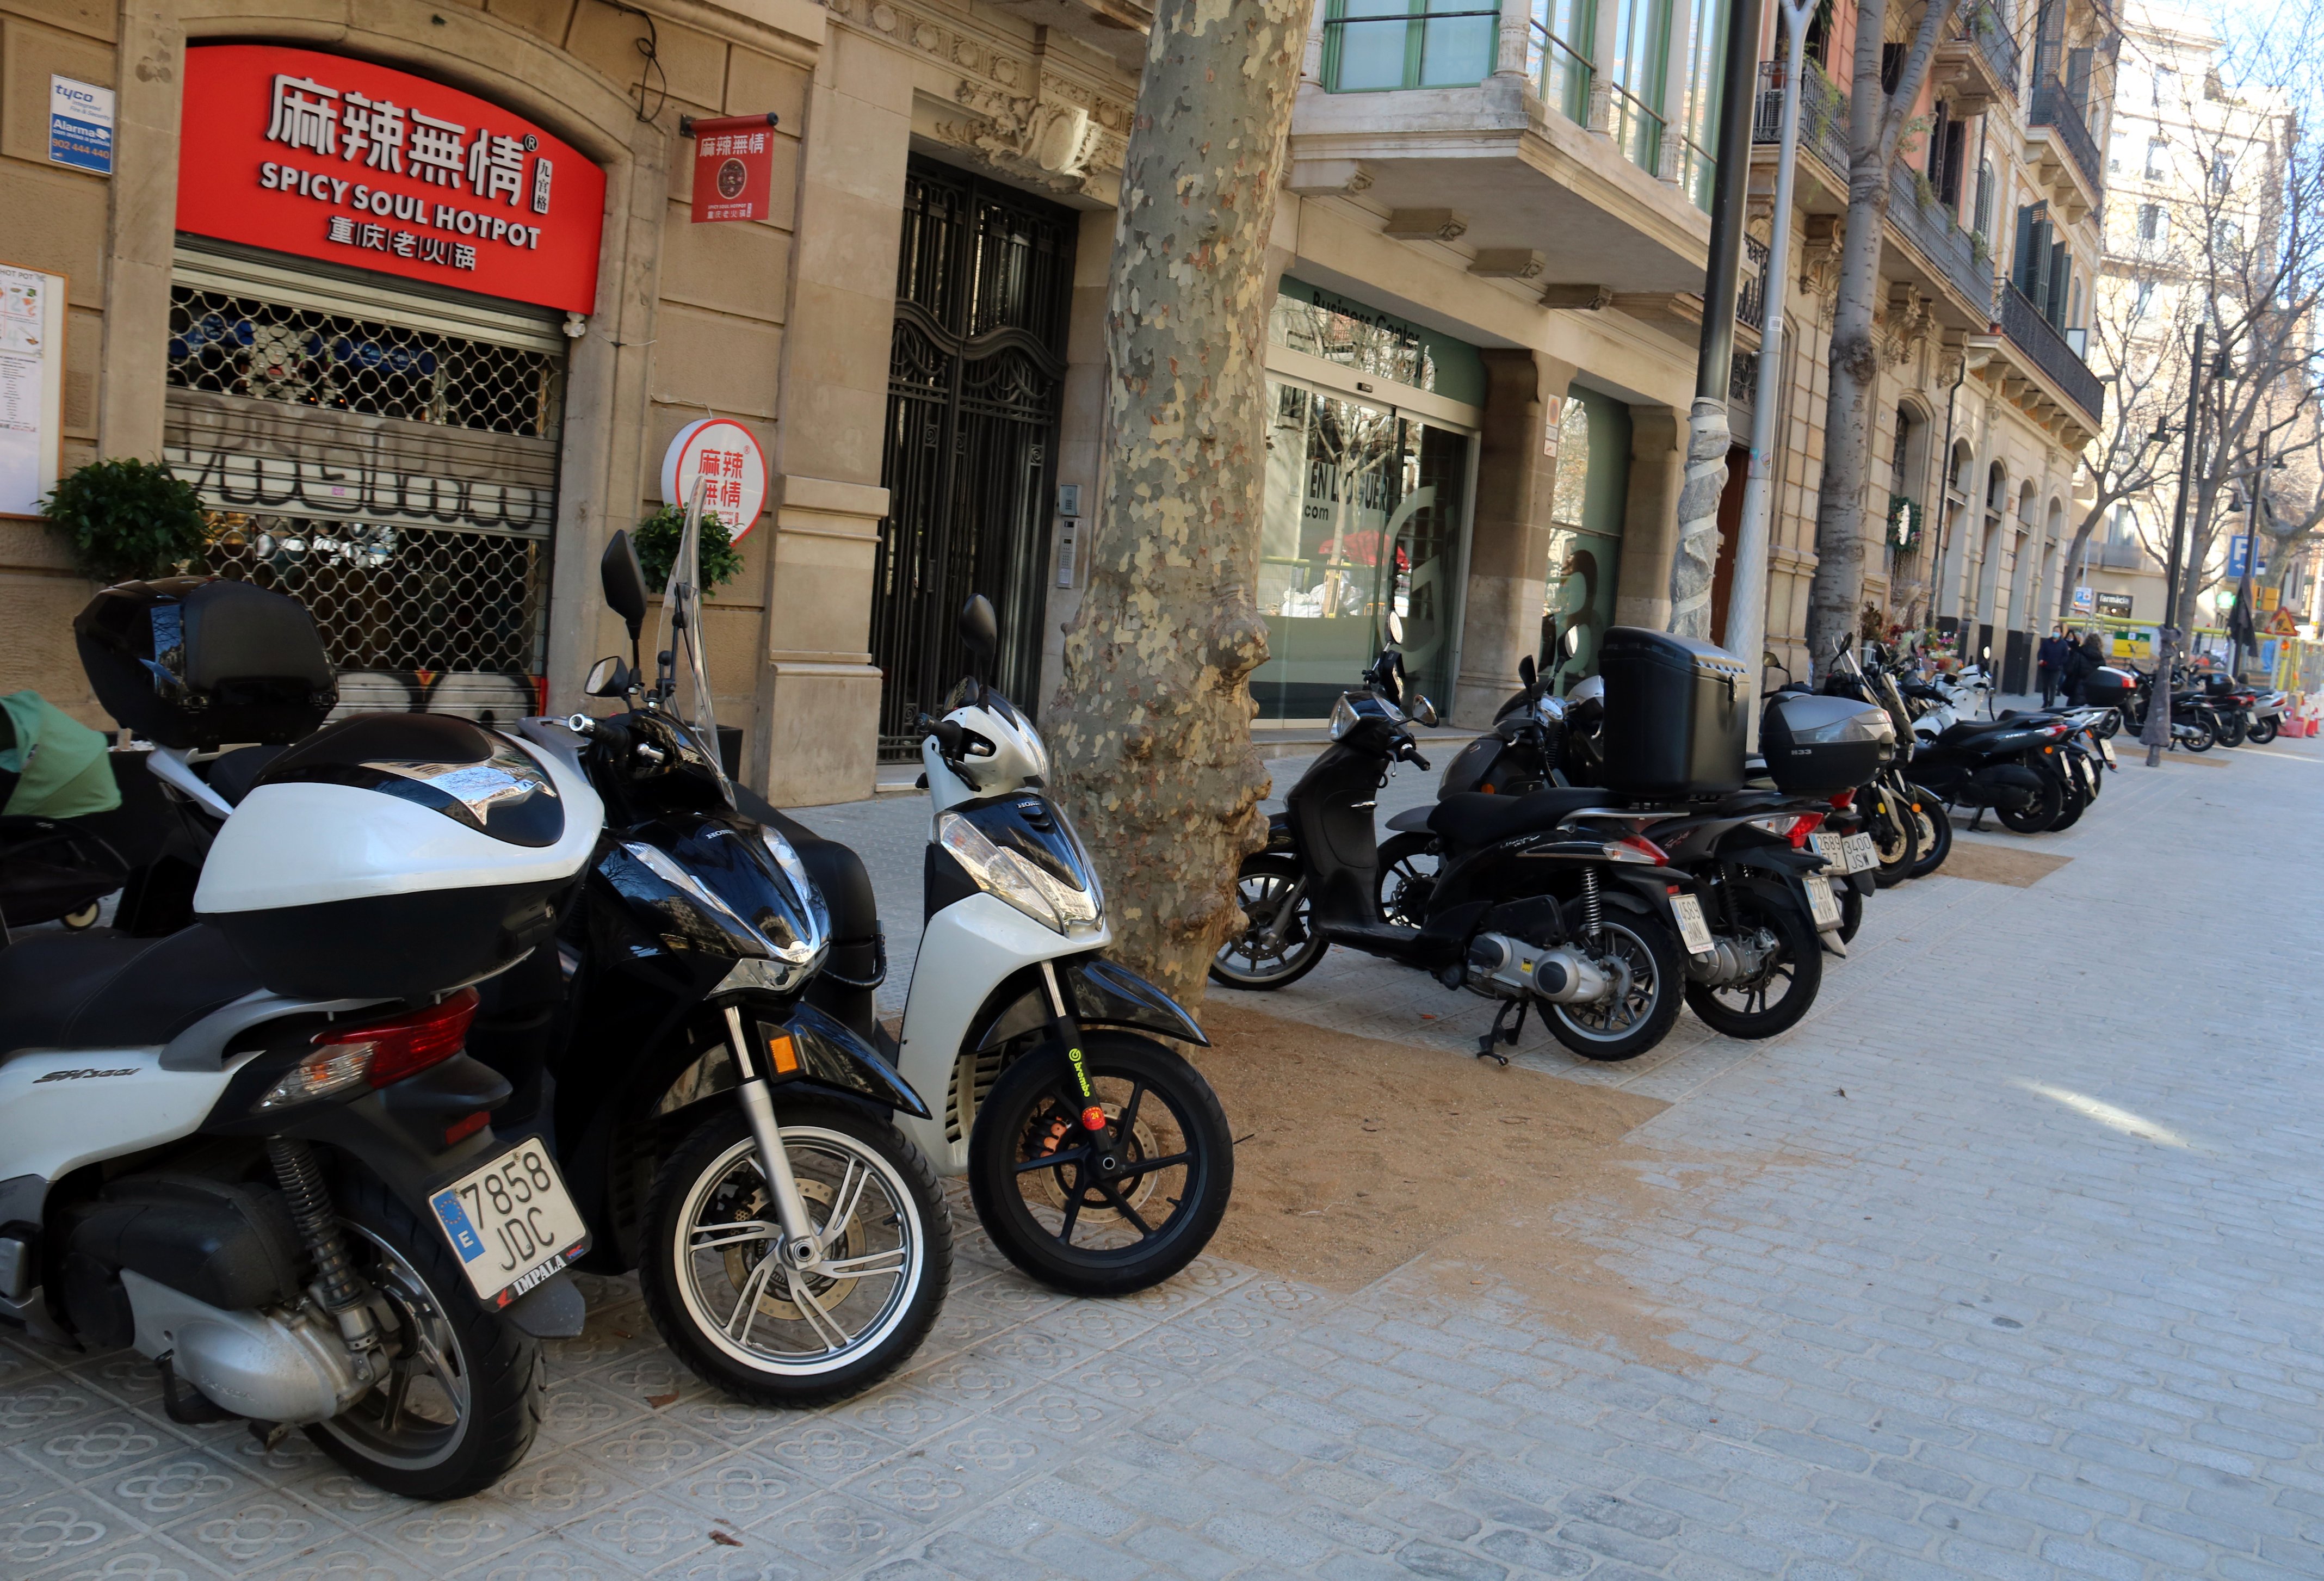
{"x":1502,"y":968}
{"x":1732,"y":959}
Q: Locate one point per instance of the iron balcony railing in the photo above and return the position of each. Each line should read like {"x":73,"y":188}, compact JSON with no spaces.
{"x":1931,"y":228}
{"x":1991,"y":35}
{"x":1561,"y":73}
{"x":2042,"y":341}
{"x":1636,"y":130}
{"x":2053,"y":107}
{"x":1751,"y":295}
{"x":1823,"y":115}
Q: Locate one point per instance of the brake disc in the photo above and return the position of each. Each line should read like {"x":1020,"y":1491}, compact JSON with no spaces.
{"x":743,"y":1258}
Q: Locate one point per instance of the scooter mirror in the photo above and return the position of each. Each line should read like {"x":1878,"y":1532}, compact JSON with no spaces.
{"x":980,"y":633}
{"x":1527,"y":673}
{"x":1394,"y":627}
{"x":606,"y":679}
{"x":1423,"y":711}
{"x":1572,"y":641}
{"x":625,"y":582}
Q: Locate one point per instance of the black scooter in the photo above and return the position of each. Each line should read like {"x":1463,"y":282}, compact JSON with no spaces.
{"x":1535,"y":905}
{"x":2009,"y":765}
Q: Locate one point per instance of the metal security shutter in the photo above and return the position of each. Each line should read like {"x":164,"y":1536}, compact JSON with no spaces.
{"x":385,"y":453}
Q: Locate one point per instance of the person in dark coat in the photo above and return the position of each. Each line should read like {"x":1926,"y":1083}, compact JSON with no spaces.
{"x":2050,"y":660}
{"x":2081,"y":662}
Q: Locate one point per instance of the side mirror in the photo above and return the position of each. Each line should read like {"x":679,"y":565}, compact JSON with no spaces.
{"x":1394,"y":627}
{"x":608,"y":677}
{"x":1423,"y":711}
{"x":980,"y":633}
{"x":1527,"y":671}
{"x":1573,"y":643}
{"x":625,"y":582}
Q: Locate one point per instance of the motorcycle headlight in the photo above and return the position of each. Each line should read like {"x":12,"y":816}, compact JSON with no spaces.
{"x":1028,"y":885}
{"x":809,"y":896}
{"x":1343,"y":716}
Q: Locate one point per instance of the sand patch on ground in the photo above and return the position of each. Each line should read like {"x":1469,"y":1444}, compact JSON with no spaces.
{"x":1355,"y":1157}
{"x":1999,"y":865}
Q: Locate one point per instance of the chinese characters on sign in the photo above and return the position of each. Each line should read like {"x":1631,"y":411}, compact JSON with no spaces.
{"x":409,"y":177}
{"x":732,"y":471}
{"x":734,"y":166}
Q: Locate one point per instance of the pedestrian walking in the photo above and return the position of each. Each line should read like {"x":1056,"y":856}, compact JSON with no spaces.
{"x":2050,"y":662}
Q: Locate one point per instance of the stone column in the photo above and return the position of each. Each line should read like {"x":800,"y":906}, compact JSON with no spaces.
{"x":818,"y":695}
{"x":1509,"y":538}
{"x":1081,"y":439}
{"x":1650,"y":516}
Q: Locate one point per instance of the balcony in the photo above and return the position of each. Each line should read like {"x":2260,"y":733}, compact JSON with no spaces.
{"x":1505,"y":138}
{"x":1978,"y":64}
{"x":2032,"y":364}
{"x":2065,"y":155}
{"x":1824,"y":120}
{"x":1952,"y":254}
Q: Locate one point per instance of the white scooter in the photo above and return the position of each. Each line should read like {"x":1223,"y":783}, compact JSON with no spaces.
{"x":1099,"y":1159}
{"x":254,"y":1148}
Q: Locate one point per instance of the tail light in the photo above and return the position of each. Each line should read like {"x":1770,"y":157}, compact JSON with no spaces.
{"x":1636,"y":848}
{"x":1843,"y":800}
{"x":1804,"y":825}
{"x":375,"y":1055}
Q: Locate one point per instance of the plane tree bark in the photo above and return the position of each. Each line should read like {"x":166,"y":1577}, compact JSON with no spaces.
{"x":1151,"y":728}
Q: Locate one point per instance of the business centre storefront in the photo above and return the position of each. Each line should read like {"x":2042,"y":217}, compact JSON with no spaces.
{"x":1371,"y":470}
{"x":369,"y":310}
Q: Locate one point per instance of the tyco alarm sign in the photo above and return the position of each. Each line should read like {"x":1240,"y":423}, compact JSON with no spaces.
{"x":723,"y":455}
{"x":734,"y":166}
{"x":334,"y":158}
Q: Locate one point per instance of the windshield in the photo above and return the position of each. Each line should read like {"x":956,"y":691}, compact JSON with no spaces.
{"x":680,"y":635}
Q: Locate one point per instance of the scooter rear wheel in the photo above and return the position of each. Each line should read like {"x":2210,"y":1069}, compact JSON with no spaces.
{"x":2262,"y":732}
{"x":1249,"y":960}
{"x":1642,"y":1017}
{"x":1785,"y":989}
{"x":2076,"y":802}
{"x":2232,"y":727}
{"x":1117,"y":1214}
{"x":2037,"y":815}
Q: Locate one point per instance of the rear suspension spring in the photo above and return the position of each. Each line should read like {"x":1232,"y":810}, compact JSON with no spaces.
{"x":309,"y":1197}
{"x":1592,"y":912}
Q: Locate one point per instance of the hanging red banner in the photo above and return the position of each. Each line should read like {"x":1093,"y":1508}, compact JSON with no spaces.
{"x":734,"y":166}
{"x":329,"y":157}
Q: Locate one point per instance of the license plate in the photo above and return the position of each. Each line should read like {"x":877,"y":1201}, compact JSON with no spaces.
{"x":1834,"y":849}
{"x":1863,"y":855}
{"x":1822,"y":905}
{"x":1693,"y":931}
{"x":512,"y":1222}
{"x":2105,"y":751}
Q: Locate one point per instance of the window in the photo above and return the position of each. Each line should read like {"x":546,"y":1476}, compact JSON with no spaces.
{"x":1706,"y":53}
{"x":1637,"y":73}
{"x":2143,"y":299}
{"x":2150,"y":222}
{"x":2223,"y":173}
{"x":1370,"y":45}
{"x":1984,"y":199}
{"x":2158,"y":158}
{"x":2166,"y":87}
{"x":1562,"y":41}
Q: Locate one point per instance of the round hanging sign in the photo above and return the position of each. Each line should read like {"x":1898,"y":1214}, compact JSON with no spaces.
{"x":722,"y":453}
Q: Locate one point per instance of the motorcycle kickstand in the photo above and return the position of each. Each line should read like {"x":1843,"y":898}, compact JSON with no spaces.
{"x":1485,"y":1050}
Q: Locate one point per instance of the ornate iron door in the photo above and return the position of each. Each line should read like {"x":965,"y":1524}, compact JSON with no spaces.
{"x":975,"y":374}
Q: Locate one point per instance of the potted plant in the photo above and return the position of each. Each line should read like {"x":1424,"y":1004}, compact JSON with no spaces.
{"x":658,"y":537}
{"x":126,"y":520}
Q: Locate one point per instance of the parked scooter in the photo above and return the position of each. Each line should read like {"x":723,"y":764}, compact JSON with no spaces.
{"x":1098,"y":1158}
{"x":2007,"y":765}
{"x":737,"y":1143}
{"x":255,"y":1148}
{"x":1552,"y":899}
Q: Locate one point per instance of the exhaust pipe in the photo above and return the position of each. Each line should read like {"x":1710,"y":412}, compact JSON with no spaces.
{"x":1510,"y":968}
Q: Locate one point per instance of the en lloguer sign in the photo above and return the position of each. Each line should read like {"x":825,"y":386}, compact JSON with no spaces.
{"x":333,"y":157}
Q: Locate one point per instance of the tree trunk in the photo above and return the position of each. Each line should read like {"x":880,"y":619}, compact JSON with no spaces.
{"x":1151,"y":728}
{"x":1836,"y":594}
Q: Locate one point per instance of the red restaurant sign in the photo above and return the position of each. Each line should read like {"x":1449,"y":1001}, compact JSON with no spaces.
{"x":733,"y":167}
{"x":334,"y":158}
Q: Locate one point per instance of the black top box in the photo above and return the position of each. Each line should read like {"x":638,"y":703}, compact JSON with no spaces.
{"x":1674,"y":719}
{"x":202,"y":662}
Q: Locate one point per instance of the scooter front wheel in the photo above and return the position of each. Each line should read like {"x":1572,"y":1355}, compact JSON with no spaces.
{"x":768,"y":1327}
{"x":1109,"y":1212}
{"x":1280,"y":945}
{"x":1935,"y":824}
{"x":2262,"y":732}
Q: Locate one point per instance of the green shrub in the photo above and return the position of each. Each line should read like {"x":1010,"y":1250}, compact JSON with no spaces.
{"x":659,"y":536}
{"x":127,"y":520}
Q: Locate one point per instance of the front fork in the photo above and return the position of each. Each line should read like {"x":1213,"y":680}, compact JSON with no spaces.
{"x":801,"y":1247}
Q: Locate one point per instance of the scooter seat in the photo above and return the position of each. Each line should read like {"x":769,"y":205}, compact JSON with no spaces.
{"x":1970,"y":729}
{"x":1470,"y":818}
{"x":108,"y":991}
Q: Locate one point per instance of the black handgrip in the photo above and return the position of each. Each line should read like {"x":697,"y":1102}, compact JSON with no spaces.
{"x":1417,"y":761}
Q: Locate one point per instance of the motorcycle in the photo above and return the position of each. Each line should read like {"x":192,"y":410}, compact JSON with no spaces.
{"x":1098,"y":1159}
{"x":2007,"y":765}
{"x":737,"y":1143}
{"x":2267,"y":711}
{"x":255,"y":1148}
{"x":1553,"y":899}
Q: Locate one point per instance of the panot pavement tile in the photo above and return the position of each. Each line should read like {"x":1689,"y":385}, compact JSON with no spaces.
{"x":1938,"y":1283}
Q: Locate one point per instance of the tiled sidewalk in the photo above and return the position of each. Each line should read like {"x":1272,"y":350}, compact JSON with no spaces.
{"x":2004,"y":1264}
